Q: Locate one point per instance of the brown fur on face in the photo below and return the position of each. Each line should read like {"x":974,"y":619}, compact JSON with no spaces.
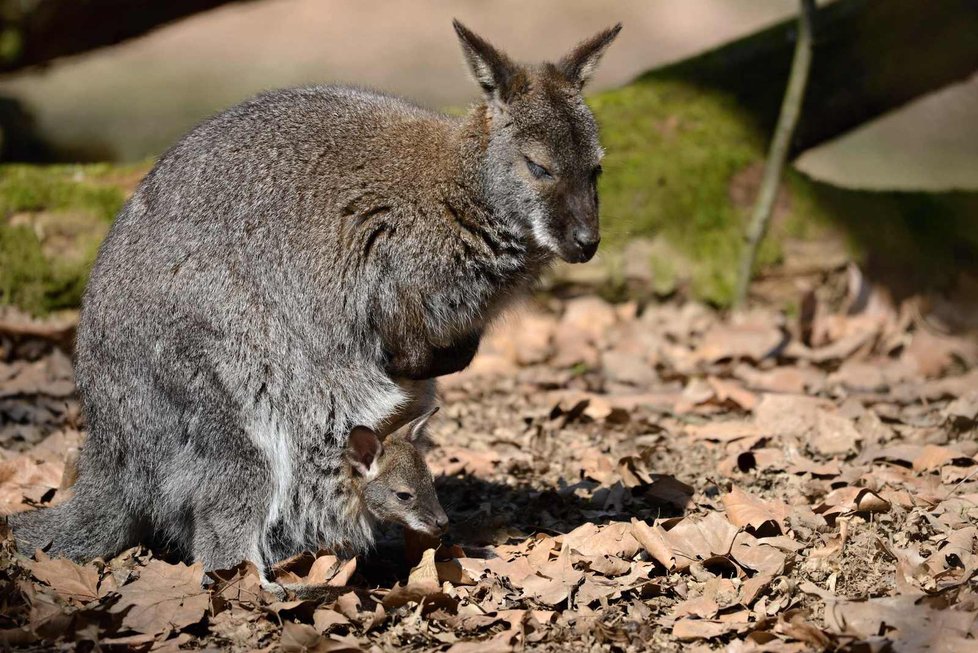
{"x":392,"y":478}
{"x":546,"y":140}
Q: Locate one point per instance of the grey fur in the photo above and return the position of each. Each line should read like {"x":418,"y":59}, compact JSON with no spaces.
{"x":300,"y":264}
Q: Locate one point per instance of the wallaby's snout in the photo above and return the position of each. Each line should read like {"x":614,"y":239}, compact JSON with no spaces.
{"x":581,"y":234}
{"x":441,"y":521}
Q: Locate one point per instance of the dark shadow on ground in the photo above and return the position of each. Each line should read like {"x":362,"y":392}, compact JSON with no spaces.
{"x":486,"y":512}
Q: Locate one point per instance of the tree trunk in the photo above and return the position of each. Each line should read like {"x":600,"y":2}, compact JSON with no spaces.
{"x":871,"y":56}
{"x":34,"y":32}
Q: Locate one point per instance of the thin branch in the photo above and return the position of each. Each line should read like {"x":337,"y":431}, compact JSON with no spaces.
{"x":780,"y":144}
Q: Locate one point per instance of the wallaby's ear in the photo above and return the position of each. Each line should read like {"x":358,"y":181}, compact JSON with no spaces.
{"x":494,"y":71}
{"x":579,"y":65}
{"x":416,"y":428}
{"x":364,"y":448}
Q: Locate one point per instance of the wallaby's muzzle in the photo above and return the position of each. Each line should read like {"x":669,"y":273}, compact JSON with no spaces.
{"x":581,"y":233}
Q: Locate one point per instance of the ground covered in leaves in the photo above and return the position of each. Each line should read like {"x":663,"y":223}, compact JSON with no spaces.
{"x":619,"y":478}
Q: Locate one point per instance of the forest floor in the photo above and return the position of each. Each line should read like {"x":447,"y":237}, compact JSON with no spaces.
{"x":618,"y":477}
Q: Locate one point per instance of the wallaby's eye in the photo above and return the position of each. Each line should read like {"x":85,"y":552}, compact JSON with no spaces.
{"x":596,"y":172}
{"x":537,"y":170}
{"x":404,"y":496}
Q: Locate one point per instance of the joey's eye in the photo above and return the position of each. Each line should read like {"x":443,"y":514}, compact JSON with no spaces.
{"x":404,"y":496}
{"x":596,"y":172}
{"x":537,"y":170}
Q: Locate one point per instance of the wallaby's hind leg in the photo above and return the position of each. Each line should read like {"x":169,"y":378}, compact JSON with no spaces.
{"x":93,"y":523}
{"x":231,"y":510}
{"x":228,"y":532}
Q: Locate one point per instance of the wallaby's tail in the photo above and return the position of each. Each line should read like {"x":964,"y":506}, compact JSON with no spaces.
{"x":79,"y":529}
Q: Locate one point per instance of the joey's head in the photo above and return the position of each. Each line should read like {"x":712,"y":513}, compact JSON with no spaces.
{"x":393,"y":478}
{"x":543,"y":157}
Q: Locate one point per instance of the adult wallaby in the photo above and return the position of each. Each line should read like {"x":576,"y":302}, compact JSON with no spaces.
{"x":302,"y":263}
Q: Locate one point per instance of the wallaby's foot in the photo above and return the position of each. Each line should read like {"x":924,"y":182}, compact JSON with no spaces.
{"x":318,"y":592}
{"x":275,"y":589}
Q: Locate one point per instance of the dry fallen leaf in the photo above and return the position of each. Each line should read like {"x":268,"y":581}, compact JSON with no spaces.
{"x":77,"y":583}
{"x":164,"y":597}
{"x":746,"y":510}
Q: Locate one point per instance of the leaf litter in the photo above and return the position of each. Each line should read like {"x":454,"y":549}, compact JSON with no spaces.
{"x":621,"y":478}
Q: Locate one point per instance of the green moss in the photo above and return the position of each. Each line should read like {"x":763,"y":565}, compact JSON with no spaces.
{"x":52,"y":219}
{"x":676,"y":153}
{"x":91,"y":188}
{"x":673,"y":150}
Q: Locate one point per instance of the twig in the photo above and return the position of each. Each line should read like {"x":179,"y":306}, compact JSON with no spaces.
{"x":790,"y":110}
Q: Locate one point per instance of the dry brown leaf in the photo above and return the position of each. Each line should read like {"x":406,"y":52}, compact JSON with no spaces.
{"x":344,"y":573}
{"x":908,"y":621}
{"x":323,"y":568}
{"x":763,"y":459}
{"x":931,"y":354}
{"x":963,"y":411}
{"x":23,"y":479}
{"x":697,"y":540}
{"x":451,"y":461}
{"x":625,"y":367}
{"x":164,"y":597}
{"x":689,"y":629}
{"x":834,"y":435}
{"x":555,"y":580}
{"x":451,"y":571}
{"x":592,"y":540}
{"x":704,"y":607}
{"x":932,"y":457}
{"x":302,"y":638}
{"x":852,"y":499}
{"x":754,"y":340}
{"x":425,"y":574}
{"x":747,"y":510}
{"x":788,"y":415}
{"x":726,"y":431}
{"x":532,"y":342}
{"x":77,"y":583}
{"x":655,"y":541}
{"x":783,"y":380}
{"x":325,"y":620}
{"x":732,"y":391}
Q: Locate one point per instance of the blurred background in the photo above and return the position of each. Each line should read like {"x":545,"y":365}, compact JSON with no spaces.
{"x":884,"y":164}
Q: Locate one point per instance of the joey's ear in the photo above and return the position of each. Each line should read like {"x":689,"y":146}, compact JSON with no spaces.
{"x":498,"y":76}
{"x":364,"y":448}
{"x":579,"y":64}
{"x":416,"y":428}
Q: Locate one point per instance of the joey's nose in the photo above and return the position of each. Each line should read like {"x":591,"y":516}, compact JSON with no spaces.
{"x":587,"y":241}
{"x":441,"y":522}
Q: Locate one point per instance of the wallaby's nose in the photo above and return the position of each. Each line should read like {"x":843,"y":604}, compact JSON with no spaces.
{"x":441,"y":521}
{"x":587,"y":241}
